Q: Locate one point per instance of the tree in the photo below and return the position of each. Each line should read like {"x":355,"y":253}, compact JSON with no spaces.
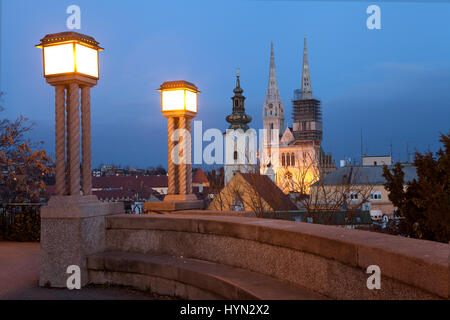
{"x":314,"y":193}
{"x":423,"y":203}
{"x":216,"y":178}
{"x":22,"y":169}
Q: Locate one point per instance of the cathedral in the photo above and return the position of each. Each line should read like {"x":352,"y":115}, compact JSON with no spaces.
{"x":293,"y":156}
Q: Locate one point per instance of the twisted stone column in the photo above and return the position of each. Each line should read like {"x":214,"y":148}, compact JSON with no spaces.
{"x":60,"y":141}
{"x":74,"y":139}
{"x":67,"y":170}
{"x":188,"y":158}
{"x":86,"y":140}
{"x":171,"y":165}
{"x":182,"y":166}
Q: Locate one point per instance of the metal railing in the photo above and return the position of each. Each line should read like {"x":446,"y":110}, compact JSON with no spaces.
{"x":20,"y":221}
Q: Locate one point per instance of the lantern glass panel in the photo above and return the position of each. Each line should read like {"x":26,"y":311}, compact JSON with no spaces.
{"x":172,"y":100}
{"x":87,"y":60}
{"x":59,"y":59}
{"x":191,"y":101}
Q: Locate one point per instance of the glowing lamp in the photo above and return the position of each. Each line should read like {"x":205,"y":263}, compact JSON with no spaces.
{"x":70,"y":53}
{"x":178,"y":98}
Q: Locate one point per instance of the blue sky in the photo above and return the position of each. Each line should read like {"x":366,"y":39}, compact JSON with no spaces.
{"x":394,"y":82}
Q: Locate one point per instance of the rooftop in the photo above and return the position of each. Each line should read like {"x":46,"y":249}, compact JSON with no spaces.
{"x":372,"y":175}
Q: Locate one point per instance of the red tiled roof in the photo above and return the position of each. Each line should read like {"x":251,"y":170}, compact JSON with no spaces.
{"x":123,"y":186}
{"x":122,"y":194}
{"x":130,"y":182}
{"x":269,"y":191}
{"x":199,"y":176}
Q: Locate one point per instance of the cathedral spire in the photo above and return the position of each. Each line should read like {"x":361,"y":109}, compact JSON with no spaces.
{"x":272,"y":88}
{"x":306,"y":91}
{"x":273,"y":112}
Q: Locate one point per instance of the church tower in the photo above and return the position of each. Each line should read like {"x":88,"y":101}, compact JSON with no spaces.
{"x":307,"y":114}
{"x":299,"y":149}
{"x":273,"y":111}
{"x":238,"y":120}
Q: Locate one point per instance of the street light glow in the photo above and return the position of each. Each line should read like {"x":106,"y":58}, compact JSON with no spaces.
{"x":86,"y":60}
{"x":191,"y":101}
{"x":179,"y":97}
{"x":172,"y":100}
{"x":70,"y":53}
{"x":58,"y":59}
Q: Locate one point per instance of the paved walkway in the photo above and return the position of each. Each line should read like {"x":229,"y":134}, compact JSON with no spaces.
{"x":19,"y":278}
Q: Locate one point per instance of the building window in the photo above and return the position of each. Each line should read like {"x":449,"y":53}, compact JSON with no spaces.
{"x":376,"y":195}
{"x":235,"y":155}
{"x":353,"y":196}
{"x":283,"y":160}
{"x":237,"y":205}
{"x":288,"y":175}
{"x":236,"y":103}
{"x":292,"y":159}
{"x":288,"y":160}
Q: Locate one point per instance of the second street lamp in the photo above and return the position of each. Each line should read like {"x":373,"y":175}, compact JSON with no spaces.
{"x":179,"y":105}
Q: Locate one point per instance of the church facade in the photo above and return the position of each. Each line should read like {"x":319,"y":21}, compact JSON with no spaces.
{"x":293,"y":156}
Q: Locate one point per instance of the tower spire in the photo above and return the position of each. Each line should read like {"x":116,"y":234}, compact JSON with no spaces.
{"x":272,"y":88}
{"x":238,"y":82}
{"x":306,"y":91}
{"x":273,"y":110}
{"x":238,"y":119}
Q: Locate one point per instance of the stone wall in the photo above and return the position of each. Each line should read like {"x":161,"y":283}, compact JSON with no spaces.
{"x":331,"y":261}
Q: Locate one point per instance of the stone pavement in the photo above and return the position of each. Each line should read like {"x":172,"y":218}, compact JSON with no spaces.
{"x":19,"y":276}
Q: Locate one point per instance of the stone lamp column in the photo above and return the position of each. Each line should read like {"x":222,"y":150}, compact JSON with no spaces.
{"x":179,"y":106}
{"x":72,"y":224}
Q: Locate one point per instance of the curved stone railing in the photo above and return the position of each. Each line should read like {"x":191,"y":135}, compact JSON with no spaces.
{"x":331,"y":261}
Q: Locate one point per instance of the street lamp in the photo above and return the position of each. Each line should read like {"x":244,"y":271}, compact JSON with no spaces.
{"x":179,"y":106}
{"x":72,"y":224}
{"x":70,"y":53}
{"x":178,"y":98}
{"x":71,"y":63}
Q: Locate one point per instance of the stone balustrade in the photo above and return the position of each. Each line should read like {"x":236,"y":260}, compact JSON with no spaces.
{"x":330,"y":261}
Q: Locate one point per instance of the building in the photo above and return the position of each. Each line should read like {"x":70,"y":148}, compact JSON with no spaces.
{"x":156,"y":183}
{"x":252,"y":192}
{"x":200,"y":181}
{"x":296,"y":158}
{"x":359,"y":185}
{"x":376,"y":160}
{"x":238,"y":152}
{"x":273,"y":120}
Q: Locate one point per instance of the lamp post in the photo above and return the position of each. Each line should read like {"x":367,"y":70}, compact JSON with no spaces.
{"x":71,"y":63}
{"x":179,"y":106}
{"x":73,"y":221}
